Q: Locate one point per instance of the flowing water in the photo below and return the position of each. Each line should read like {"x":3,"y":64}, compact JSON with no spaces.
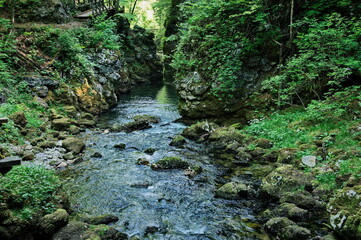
{"x":155,"y":204}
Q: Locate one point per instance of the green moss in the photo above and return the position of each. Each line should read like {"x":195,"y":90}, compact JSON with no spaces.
{"x":170,"y":163}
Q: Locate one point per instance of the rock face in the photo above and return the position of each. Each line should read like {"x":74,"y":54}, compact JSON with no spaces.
{"x":48,"y":11}
{"x":197,"y":103}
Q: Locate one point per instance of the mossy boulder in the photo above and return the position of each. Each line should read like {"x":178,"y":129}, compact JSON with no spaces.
{"x":170,"y":163}
{"x":47,"y":144}
{"x":135,"y":126}
{"x":100,"y":219}
{"x":293,"y":212}
{"x":199,"y":130}
{"x":178,"y":141}
{"x":303,"y":199}
{"x":61,"y":124}
{"x":75,"y":145}
{"x":286,"y":155}
{"x":150,"y":151}
{"x":19,"y":119}
{"x":233,"y":190}
{"x":120,"y":146}
{"x":146,"y":118}
{"x":286,"y":229}
{"x":345,"y":212}
{"x":285,"y":179}
{"x":76,"y":230}
{"x":50,"y":223}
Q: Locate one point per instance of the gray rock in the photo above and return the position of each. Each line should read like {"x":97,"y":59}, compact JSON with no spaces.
{"x":309,"y":161}
{"x":74,"y":145}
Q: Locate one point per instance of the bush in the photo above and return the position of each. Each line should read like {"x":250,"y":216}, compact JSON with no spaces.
{"x":329,"y":53}
{"x":29,"y":190}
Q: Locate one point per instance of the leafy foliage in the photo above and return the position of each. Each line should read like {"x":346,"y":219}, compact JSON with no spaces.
{"x":30,"y":188}
{"x":329,"y":53}
{"x":217,"y":38}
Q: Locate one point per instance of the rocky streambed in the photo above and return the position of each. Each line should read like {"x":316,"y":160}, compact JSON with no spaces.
{"x":159,"y":184}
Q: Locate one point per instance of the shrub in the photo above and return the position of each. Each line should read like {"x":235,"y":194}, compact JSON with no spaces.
{"x":31,"y":189}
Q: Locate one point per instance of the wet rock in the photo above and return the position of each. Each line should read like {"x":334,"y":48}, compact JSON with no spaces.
{"x":150,"y":151}
{"x":142,"y":161}
{"x":86,"y":123}
{"x":309,"y":161}
{"x":293,"y":212}
{"x":294,"y":232}
{"x":68,"y":156}
{"x":62,"y":165}
{"x":19,"y":119}
{"x":221,"y":138}
{"x":100,"y":219}
{"x":285,"y":179}
{"x":135,"y":126}
{"x":74,"y":130}
{"x":96,"y":155}
{"x":178,"y":141}
{"x":170,"y":163}
{"x":62,"y":124}
{"x":75,"y":230}
{"x":345,"y":212}
{"x":47,"y":144}
{"x":120,"y":146}
{"x":275,"y":225}
{"x":302,"y":199}
{"x":151,"y":229}
{"x":140,"y":184}
{"x":146,"y":118}
{"x":74,"y":145}
{"x":199,"y":130}
{"x":286,"y":229}
{"x":50,"y":223}
{"x":233,"y":190}
{"x":243,"y":158}
{"x":28,"y":156}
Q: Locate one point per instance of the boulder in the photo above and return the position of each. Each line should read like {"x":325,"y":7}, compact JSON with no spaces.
{"x":199,"y":130}
{"x":178,"y":141}
{"x":50,"y":223}
{"x":146,"y":118}
{"x":76,"y":230}
{"x":120,"y":145}
{"x":285,"y":179}
{"x":286,"y":229}
{"x":74,"y":145}
{"x":62,"y":124}
{"x":170,"y":163}
{"x":345,"y":212}
{"x":303,"y":199}
{"x":100,"y":219}
{"x":40,"y":91}
{"x":233,"y":190}
{"x":135,"y":126}
{"x":19,"y":118}
{"x":150,"y":151}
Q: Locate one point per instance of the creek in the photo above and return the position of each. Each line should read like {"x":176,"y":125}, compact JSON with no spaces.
{"x":153,"y":204}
